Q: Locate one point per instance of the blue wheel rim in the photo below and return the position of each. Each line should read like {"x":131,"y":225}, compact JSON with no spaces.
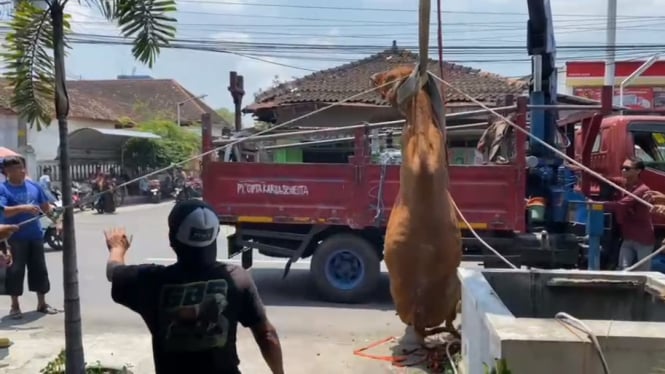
{"x":344,"y":269}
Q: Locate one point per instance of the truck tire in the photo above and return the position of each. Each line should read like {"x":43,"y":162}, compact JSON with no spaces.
{"x":345,"y":268}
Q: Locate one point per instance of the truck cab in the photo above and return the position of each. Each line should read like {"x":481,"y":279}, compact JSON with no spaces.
{"x":623,"y":136}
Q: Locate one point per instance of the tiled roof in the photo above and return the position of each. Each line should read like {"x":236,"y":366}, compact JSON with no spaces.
{"x":335,"y":84}
{"x":138,"y":99}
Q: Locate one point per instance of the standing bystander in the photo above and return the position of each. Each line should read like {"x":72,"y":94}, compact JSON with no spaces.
{"x":22,"y":200}
{"x":634,"y":218}
{"x":192,"y":308}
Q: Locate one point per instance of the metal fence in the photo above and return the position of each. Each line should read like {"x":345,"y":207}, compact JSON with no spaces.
{"x":79,"y":171}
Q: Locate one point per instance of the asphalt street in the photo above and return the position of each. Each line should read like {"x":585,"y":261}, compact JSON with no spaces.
{"x":315,"y":335}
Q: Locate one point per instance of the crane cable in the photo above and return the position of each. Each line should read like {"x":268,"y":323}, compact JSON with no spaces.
{"x":562,"y":155}
{"x":425,"y":8}
{"x":442,"y":89}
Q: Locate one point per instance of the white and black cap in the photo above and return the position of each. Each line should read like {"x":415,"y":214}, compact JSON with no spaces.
{"x":193,"y":224}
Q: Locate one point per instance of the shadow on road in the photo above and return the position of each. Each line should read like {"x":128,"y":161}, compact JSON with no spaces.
{"x":9,"y":323}
{"x":297,"y":289}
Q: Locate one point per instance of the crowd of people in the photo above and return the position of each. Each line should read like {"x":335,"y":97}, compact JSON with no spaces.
{"x":192,"y":308}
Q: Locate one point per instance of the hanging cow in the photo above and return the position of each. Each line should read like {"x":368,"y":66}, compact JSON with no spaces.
{"x":423,"y":245}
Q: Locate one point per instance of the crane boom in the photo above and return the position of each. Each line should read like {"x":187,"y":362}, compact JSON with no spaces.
{"x":543,"y":91}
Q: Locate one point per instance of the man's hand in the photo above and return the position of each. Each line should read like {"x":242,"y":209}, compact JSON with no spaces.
{"x":117,"y":238}
{"x":658,"y":209}
{"x":7,"y":258}
{"x":31,"y":209}
{"x":7,"y":230}
{"x":654,"y":197}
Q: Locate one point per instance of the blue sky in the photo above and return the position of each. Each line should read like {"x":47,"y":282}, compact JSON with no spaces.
{"x":576,"y":22}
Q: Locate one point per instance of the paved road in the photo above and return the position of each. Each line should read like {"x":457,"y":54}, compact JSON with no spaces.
{"x":316,"y":336}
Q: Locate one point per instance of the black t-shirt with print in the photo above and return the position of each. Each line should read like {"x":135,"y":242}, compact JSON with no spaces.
{"x":192,"y":314}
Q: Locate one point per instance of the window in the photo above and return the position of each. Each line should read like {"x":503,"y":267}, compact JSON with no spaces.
{"x":650,"y":146}
{"x":597,"y":143}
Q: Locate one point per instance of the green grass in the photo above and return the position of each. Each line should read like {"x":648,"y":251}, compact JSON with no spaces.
{"x":57,"y":366}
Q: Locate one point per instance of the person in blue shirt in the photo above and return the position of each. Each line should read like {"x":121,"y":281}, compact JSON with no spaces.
{"x":22,"y":200}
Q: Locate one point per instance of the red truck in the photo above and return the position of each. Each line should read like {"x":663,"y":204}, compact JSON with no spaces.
{"x":336,"y":214}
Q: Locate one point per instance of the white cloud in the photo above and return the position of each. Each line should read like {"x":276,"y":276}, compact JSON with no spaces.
{"x":231,"y":36}
{"x":238,"y":6}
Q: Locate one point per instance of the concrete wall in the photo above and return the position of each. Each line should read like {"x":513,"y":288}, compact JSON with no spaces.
{"x":8,"y":131}
{"x":348,"y":115}
{"x":46,"y":141}
{"x":544,"y":345}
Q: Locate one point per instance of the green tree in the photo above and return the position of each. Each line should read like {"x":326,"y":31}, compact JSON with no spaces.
{"x":227,"y":115}
{"x":35,"y":60}
{"x":176,"y":144}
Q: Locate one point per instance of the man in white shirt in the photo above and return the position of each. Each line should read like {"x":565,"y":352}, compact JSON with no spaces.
{"x":45,"y":182}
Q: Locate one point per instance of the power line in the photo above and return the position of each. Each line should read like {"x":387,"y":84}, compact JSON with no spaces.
{"x":398,"y":10}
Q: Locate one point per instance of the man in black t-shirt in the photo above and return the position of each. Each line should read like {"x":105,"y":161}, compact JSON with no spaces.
{"x":192,"y":308}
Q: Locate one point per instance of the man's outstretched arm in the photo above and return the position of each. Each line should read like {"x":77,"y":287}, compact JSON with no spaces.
{"x":266,"y":338}
{"x":253,"y":315}
{"x":118,"y":244}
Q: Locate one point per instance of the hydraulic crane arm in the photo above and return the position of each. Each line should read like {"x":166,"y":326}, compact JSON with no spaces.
{"x":543,"y":91}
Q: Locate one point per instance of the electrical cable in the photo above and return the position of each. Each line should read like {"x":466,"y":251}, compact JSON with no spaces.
{"x":645,"y":259}
{"x":575,"y":323}
{"x":217,"y":149}
{"x":453,"y":367}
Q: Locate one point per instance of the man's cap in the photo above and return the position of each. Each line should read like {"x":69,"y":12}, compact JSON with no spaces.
{"x":193,"y":223}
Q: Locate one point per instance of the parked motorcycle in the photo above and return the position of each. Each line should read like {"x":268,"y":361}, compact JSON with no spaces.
{"x":178,"y":193}
{"x":155,"y":191}
{"x":84,"y":196}
{"x":76,"y":196}
{"x":51,"y":234}
{"x":105,"y":200}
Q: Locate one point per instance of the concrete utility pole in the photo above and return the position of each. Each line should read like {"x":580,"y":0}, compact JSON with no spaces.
{"x":611,"y":42}
{"x":180,"y":104}
{"x":237,"y":89}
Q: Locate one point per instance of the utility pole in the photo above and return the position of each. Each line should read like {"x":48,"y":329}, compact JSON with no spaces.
{"x":610,"y":71}
{"x":179,"y":105}
{"x":237,"y":89}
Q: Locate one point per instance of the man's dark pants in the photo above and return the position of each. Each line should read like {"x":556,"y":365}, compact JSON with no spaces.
{"x":30,"y":254}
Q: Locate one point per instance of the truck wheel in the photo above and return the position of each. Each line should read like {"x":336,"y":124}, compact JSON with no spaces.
{"x":345,"y":268}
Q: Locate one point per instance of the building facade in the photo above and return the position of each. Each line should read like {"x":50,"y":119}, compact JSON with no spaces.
{"x":585,"y":79}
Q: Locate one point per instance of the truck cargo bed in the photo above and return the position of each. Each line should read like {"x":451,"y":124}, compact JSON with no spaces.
{"x":354,"y":195}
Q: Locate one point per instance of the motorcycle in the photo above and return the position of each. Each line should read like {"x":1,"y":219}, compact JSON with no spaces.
{"x":84,"y":193}
{"x":51,"y":233}
{"x":77,"y":193}
{"x":190,"y":189}
{"x":177,"y":193}
{"x":105,"y":201}
{"x":155,"y":191}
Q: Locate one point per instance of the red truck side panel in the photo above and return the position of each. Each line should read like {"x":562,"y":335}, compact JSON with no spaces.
{"x":347,"y":194}
{"x":487,"y":195}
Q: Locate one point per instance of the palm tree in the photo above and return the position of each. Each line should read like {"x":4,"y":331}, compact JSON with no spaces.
{"x":39,"y":91}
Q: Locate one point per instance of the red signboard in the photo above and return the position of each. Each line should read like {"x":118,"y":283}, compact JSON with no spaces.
{"x":596,"y":69}
{"x":659,"y":97}
{"x":633,"y":97}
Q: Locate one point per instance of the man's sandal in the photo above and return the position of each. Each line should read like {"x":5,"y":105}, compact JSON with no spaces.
{"x":47,"y":309}
{"x":15,"y":313}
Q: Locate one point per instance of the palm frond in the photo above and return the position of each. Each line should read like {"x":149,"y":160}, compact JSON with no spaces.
{"x":29,"y":63}
{"x":106,"y":7}
{"x":148,"y":23}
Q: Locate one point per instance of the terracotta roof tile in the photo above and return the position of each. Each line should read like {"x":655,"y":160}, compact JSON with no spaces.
{"x":335,"y":84}
{"x":138,"y":99}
